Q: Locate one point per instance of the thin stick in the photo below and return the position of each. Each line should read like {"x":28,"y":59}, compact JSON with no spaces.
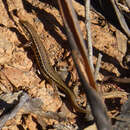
{"x":71,"y":22}
{"x":98,"y":65}
{"x":5,"y":117}
{"x":88,"y":30}
{"x":121,"y":18}
{"x":81,"y":61}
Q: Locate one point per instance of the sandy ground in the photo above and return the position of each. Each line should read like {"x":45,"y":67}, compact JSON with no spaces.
{"x":19,"y":68}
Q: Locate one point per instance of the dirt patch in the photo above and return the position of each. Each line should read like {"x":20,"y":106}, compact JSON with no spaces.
{"x":19,"y":67}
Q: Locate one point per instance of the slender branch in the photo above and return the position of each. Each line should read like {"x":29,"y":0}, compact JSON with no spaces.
{"x":71,"y":22}
{"x":98,"y":65}
{"x":88,"y":30}
{"x":81,"y":60}
{"x":5,"y":117}
{"x":121,"y":19}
